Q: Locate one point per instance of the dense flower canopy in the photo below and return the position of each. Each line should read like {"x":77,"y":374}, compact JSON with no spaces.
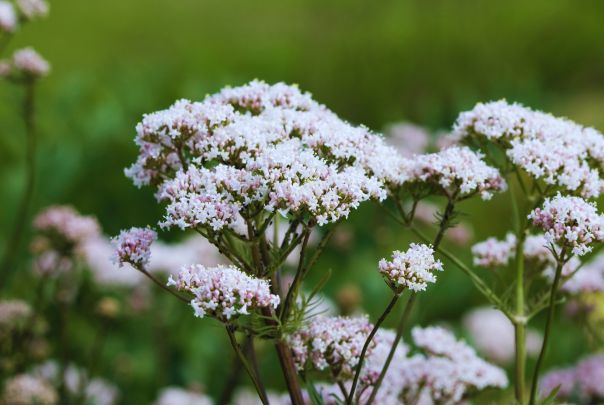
{"x":258,"y":148}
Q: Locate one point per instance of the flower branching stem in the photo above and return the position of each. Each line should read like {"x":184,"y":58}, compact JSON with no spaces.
{"x":446,"y":218}
{"x":255,"y":380}
{"x":548,"y":326}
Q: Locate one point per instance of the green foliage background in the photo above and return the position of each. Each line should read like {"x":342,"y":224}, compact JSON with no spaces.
{"x":372,"y":62}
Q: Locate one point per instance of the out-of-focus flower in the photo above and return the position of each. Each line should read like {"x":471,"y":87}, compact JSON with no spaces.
{"x":450,"y":368}
{"x":555,"y":150}
{"x":493,"y":252}
{"x":569,"y":222}
{"x":223,"y":292}
{"x":29,"y":62}
{"x":412,"y":269}
{"x":94,"y":391}
{"x":349,"y":298}
{"x":564,"y":379}
{"x":460,"y":234}
{"x":108,"y":307}
{"x":333,"y":343}
{"x":590,"y":278}
{"x":33,"y":8}
{"x":5,"y":68}
{"x":181,"y":396}
{"x":8,"y":17}
{"x":493,"y":335}
{"x":245,"y":396}
{"x":25,"y":389}
{"x":61,"y":233}
{"x":456,"y":172}
{"x":133,"y":246}
{"x":374,"y":363}
{"x":407,"y":138}
{"x":13,"y":312}
{"x":589,"y":375}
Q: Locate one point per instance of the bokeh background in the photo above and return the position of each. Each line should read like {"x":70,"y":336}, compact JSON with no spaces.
{"x":372,"y":62}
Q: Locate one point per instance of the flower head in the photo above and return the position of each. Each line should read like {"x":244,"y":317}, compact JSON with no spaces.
{"x":177,"y":395}
{"x":493,"y":252}
{"x":412,"y":269}
{"x":569,"y":222}
{"x":28,"y":61}
{"x":555,"y":150}
{"x":12,"y":313}
{"x":133,"y":246}
{"x":32,"y":9}
{"x":457,"y":172}
{"x":590,"y":374}
{"x":407,"y":138}
{"x":224,"y":292}
{"x":564,"y":379}
{"x":450,"y":368}
{"x":330,"y":342}
{"x":25,"y":389}
{"x":8,"y":17}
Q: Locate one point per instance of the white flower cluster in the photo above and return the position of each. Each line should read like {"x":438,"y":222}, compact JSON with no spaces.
{"x":133,"y":246}
{"x":27,"y":62}
{"x":181,"y":396}
{"x":61,"y":233}
{"x":32,"y":9}
{"x":585,"y":379}
{"x":445,"y":371}
{"x":223,"y":292}
{"x":25,"y":389}
{"x":8,"y":17}
{"x":456,"y":172}
{"x":12,"y":313}
{"x":556,"y":150}
{"x":412,"y":269}
{"x":67,"y":223}
{"x":333,"y":343}
{"x":569,"y":222}
{"x":257,"y":147}
{"x":494,"y":252}
{"x":590,"y":278}
{"x":492,"y":333}
{"x":450,"y":367}
{"x":78,"y":384}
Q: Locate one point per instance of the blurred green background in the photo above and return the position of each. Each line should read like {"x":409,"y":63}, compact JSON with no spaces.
{"x":372,"y":62}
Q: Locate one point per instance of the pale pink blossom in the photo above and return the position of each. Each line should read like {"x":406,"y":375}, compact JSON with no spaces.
{"x":492,"y":333}
{"x":8,"y":17}
{"x":133,"y":246}
{"x":457,"y":172}
{"x":569,"y":222}
{"x":589,"y":278}
{"x":223,"y":292}
{"x":24,"y":389}
{"x":28,"y":61}
{"x":32,"y":9}
{"x":590,"y":374}
{"x":181,"y":396}
{"x":12,"y":313}
{"x":333,"y":343}
{"x":555,"y":150}
{"x":407,"y":138}
{"x":412,"y":269}
{"x":564,"y":379}
{"x":493,"y":252}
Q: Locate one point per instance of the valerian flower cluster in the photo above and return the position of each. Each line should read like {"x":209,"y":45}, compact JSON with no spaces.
{"x":412,"y":269}
{"x":224,"y":292}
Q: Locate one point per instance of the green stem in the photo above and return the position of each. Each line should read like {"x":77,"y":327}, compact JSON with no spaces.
{"x":399,"y":334}
{"x":14,"y":241}
{"x":246,"y":365}
{"x":548,"y":327}
{"x":520,"y":324}
{"x":377,"y":325}
{"x":162,"y":286}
